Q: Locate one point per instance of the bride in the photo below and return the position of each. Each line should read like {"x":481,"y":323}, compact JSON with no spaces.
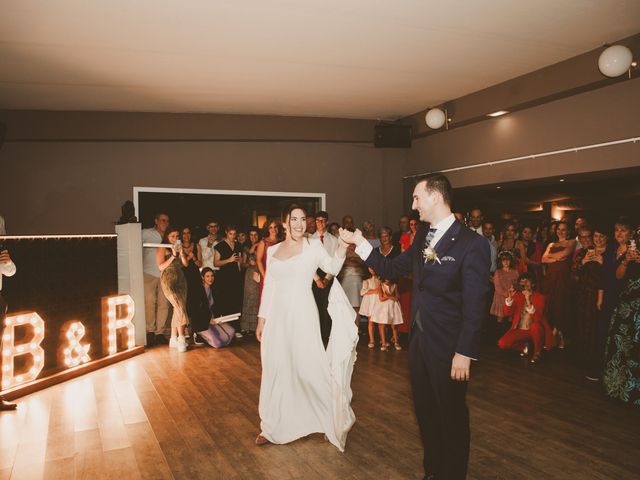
{"x":304,"y":389}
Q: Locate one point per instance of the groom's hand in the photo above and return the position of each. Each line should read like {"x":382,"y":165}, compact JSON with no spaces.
{"x":351,"y":237}
{"x":460,"y":368}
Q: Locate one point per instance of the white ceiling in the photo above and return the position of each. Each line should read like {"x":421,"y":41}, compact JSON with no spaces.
{"x":334,"y":58}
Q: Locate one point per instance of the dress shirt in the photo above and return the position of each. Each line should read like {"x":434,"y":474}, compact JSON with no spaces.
{"x":477,"y":230}
{"x":441,"y":228}
{"x":149,"y":262}
{"x":8,"y":270}
{"x":330,"y":244}
{"x":493,"y":246}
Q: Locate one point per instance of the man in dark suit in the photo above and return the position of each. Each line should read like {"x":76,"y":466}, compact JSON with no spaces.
{"x":450,"y":266}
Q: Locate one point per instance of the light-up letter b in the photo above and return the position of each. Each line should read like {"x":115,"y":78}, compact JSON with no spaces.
{"x":32,"y":347}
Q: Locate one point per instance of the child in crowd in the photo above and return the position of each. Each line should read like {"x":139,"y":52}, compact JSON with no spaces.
{"x":503,"y":280}
{"x":387,"y":312}
{"x":370,"y":296}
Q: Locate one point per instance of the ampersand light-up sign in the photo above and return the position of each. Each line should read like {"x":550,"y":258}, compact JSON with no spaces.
{"x":11,"y":350}
{"x":75,"y":353}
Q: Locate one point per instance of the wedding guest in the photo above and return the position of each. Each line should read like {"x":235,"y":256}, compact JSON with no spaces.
{"x":311,"y":224}
{"x":622,"y":368}
{"x":387,"y":248}
{"x":174,"y":285}
{"x":587,"y":269}
{"x":369,"y":232}
{"x":475,"y":220}
{"x":529,"y":324}
{"x":370,"y":296}
{"x":488,"y":229}
{"x":403,"y":227}
{"x":192,"y":277}
{"x":242,"y":240}
{"x":387,"y":312}
{"x":322,"y":281}
{"x":347,"y":223}
{"x":7,"y":269}
{"x":557,"y":282}
{"x":533,"y":252}
{"x":514,"y":246}
{"x":251,"y":297}
{"x":271,"y":235}
{"x":334,"y":229}
{"x":603,"y":314}
{"x":156,"y":305}
{"x":228,"y":286}
{"x":407,"y":239}
{"x":350,"y":277}
{"x":503,"y":280}
{"x":405,"y":282}
{"x":206,"y":246}
{"x":215,"y":334}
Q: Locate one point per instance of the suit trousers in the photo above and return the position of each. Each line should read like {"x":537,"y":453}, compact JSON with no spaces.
{"x":156,"y":306}
{"x":321,"y":296}
{"x":441,"y":411}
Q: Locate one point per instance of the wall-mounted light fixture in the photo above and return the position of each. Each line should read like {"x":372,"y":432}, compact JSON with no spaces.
{"x":616,"y":60}
{"x":436,"y":118}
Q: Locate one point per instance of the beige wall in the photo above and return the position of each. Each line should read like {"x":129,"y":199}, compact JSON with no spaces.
{"x":602,"y":115}
{"x":78,"y":187}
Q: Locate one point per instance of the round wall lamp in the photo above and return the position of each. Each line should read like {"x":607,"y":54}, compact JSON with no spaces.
{"x":616,"y":60}
{"x":436,"y":118}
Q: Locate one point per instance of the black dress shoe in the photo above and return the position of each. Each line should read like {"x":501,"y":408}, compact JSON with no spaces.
{"x":6,"y":406}
{"x":161,"y":340}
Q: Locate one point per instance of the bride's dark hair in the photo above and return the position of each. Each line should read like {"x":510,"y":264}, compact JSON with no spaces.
{"x":286,"y":213}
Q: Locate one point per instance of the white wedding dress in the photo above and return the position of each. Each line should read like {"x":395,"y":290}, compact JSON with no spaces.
{"x":304,"y":388}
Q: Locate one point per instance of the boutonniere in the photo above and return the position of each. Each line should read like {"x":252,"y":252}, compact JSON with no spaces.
{"x":430,"y":255}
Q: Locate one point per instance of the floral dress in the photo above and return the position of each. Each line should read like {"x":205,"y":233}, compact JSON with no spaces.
{"x":622,"y":369}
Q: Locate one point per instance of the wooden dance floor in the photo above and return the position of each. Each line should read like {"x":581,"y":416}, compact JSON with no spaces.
{"x":194,"y":416}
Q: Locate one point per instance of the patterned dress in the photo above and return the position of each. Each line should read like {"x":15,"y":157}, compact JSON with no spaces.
{"x":622,"y":369}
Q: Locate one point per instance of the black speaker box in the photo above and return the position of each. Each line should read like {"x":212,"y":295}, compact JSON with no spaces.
{"x":392,"y":136}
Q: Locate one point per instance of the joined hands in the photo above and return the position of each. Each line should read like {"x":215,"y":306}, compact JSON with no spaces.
{"x":351,"y":237}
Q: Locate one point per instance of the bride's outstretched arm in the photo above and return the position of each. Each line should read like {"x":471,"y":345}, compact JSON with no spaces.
{"x":331,"y":264}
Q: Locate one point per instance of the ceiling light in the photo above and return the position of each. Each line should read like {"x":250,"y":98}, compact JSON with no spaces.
{"x":497,"y":114}
{"x":498,"y":187}
{"x":562,"y":179}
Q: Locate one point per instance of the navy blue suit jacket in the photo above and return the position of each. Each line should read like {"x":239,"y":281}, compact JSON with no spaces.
{"x":451,"y":296}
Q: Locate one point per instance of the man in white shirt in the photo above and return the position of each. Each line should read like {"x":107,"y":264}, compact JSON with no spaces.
{"x":487,"y":231}
{"x":321,"y":281}
{"x":475,"y":220}
{"x":206,"y":246}
{"x":8,"y":269}
{"x":156,"y":304}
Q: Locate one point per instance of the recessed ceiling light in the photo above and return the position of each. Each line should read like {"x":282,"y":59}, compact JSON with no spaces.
{"x":562,"y":179}
{"x":497,"y":114}
{"x":498,"y":187}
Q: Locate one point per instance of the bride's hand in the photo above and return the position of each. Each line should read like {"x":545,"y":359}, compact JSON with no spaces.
{"x":351,"y":237}
{"x":260,"y":329}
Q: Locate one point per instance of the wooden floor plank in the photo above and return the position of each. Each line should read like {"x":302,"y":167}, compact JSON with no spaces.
{"x":165,"y":415}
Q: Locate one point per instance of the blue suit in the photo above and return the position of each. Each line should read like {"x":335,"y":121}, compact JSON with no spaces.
{"x":448,"y":305}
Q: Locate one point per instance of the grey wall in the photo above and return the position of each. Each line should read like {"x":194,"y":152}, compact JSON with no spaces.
{"x":598,"y":116}
{"x":78,"y":187}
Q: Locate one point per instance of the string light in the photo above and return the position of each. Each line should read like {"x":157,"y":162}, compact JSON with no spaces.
{"x":9,"y":350}
{"x":114,"y":322}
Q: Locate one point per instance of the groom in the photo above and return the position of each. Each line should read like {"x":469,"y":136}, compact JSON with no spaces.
{"x":450,"y":266}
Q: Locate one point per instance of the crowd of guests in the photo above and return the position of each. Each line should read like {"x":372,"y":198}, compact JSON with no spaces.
{"x":555,"y":285}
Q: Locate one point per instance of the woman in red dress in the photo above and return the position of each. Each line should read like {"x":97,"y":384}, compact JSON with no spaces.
{"x":557,"y":282}
{"x":405,"y":284}
{"x":272,"y":235}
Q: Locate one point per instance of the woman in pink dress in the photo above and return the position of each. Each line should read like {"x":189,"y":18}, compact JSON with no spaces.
{"x":272,"y":235}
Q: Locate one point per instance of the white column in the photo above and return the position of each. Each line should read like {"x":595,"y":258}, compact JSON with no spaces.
{"x":130,"y":279}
